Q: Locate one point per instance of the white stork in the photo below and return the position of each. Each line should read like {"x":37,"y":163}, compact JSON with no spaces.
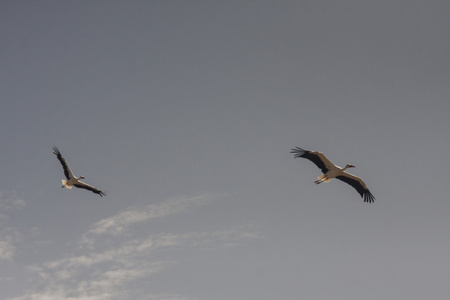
{"x":330,"y":171}
{"x":71,"y":179}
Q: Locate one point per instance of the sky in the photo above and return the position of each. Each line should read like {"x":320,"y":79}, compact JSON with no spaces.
{"x":184,"y":113}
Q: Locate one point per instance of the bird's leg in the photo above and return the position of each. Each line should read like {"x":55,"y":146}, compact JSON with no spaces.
{"x":62,"y":186}
{"x":321,"y":178}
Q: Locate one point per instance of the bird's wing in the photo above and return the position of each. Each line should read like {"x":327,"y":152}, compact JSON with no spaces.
{"x":318,"y":158}
{"x":67,"y":171}
{"x":358,"y":184}
{"x":88,"y":187}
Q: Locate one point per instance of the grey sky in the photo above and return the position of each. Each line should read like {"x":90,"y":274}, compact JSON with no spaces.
{"x":184,"y":113}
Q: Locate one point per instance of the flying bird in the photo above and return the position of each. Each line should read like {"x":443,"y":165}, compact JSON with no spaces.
{"x":330,"y":171}
{"x":71,"y":179}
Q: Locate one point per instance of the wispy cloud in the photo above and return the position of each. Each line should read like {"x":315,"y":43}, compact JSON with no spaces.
{"x":103,"y":270}
{"x":7,"y":248}
{"x":11,"y":203}
{"x":8,"y":235}
{"x":120,"y":222}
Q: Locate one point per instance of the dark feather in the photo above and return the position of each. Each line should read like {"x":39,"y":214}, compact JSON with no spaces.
{"x":90,"y":188}
{"x":299,"y":152}
{"x":62,"y":161}
{"x":365,"y":193}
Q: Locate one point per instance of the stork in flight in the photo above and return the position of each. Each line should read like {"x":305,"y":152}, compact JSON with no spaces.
{"x":71,"y":179}
{"x":330,"y":171}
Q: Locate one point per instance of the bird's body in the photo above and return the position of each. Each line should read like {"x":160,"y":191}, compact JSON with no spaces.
{"x":71,"y":179}
{"x":331,"y":171}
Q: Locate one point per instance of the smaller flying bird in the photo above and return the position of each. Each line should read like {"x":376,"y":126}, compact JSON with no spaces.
{"x":330,"y":171}
{"x":71,"y":179}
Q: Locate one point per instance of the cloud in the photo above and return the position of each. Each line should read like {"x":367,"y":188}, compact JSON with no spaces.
{"x":120,"y":222}
{"x":9,"y":236}
{"x":98,"y":273}
{"x":11,"y":203}
{"x":105,"y":269}
{"x":7,"y":248}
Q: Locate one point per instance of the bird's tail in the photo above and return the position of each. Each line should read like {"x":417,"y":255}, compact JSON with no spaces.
{"x":323,"y":178}
{"x":64,"y":182}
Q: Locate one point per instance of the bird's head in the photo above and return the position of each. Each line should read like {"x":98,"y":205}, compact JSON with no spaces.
{"x":81,"y":177}
{"x":349,"y":166}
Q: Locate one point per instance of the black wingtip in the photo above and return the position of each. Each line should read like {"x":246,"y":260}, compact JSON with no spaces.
{"x":56,"y":151}
{"x":369,"y":198}
{"x":101,"y":193}
{"x":299,"y":152}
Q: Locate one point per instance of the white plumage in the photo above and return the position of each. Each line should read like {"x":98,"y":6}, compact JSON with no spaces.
{"x":330,"y":171}
{"x":71,"y":179}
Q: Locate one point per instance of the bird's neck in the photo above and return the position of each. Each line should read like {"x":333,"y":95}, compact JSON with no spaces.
{"x":344,"y":168}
